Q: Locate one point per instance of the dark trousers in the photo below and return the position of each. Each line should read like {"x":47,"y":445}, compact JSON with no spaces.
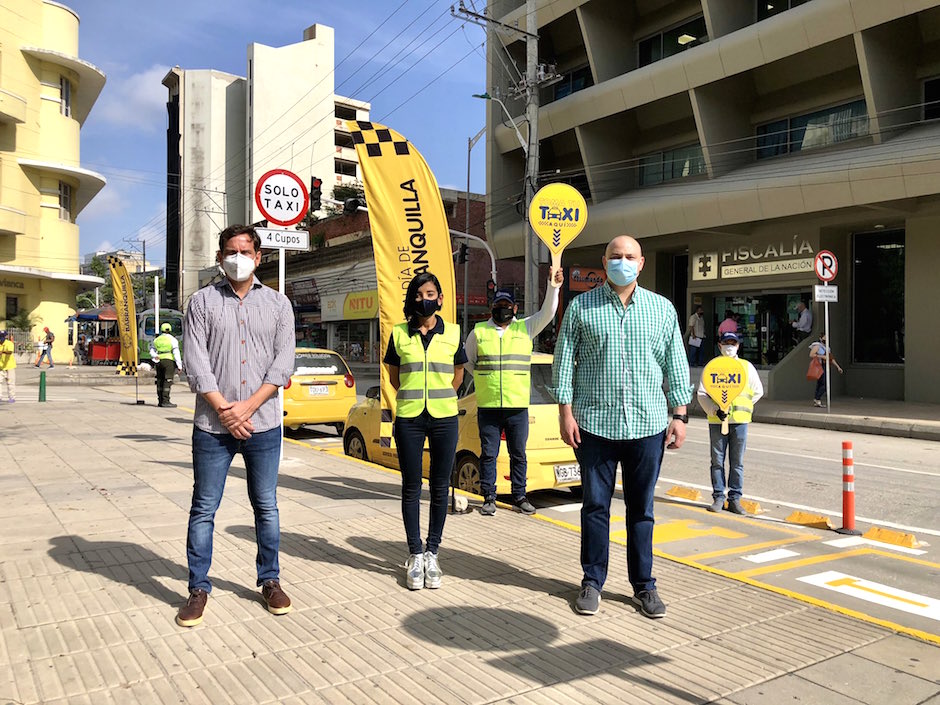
{"x":639,"y":460}
{"x":410,"y":435}
{"x":492,"y":423}
{"x":821,"y":385}
{"x":165,"y":371}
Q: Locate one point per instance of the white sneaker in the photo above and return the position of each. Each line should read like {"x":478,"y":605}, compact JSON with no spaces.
{"x":432,"y":571}
{"x":414,"y":567}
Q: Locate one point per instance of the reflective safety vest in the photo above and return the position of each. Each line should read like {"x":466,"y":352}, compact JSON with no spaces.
{"x":741,"y":408}
{"x":501,"y":376}
{"x":163,"y":344}
{"x":426,"y":377}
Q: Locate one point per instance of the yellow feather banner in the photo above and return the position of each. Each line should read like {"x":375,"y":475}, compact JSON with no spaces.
{"x":123,"y":288}
{"x":410,"y":234}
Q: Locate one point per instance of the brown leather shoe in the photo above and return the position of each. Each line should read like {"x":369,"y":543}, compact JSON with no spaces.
{"x":190,"y":614}
{"x":277,"y":600}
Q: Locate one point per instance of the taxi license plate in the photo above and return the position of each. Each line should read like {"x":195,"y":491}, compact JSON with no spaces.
{"x":568,"y":473}
{"x":318,"y":390}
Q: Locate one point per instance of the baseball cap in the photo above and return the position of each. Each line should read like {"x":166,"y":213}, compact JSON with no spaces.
{"x":729,"y":337}
{"x":165,"y":327}
{"x":504,"y":295}
{"x":3,"y":334}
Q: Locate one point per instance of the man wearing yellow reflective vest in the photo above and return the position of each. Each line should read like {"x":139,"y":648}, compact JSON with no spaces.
{"x":499,"y":353}
{"x":165,"y":353}
{"x":734,"y":444}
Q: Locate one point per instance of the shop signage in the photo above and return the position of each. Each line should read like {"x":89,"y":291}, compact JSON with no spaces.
{"x":585,"y":279}
{"x":780,"y":256}
{"x":354,"y":306}
{"x":11,"y":284}
{"x":760,"y":269}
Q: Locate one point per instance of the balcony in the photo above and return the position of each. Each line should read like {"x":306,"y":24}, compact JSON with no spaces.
{"x":90,"y":78}
{"x":12,"y":108}
{"x":89,"y":182}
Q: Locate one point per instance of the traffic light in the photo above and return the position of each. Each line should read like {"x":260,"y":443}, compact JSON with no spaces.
{"x":351,"y":205}
{"x":315,"y":193}
{"x":462,"y":254}
{"x":490,"y":289}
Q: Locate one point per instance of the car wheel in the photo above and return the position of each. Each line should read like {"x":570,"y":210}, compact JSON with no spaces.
{"x":467,"y":474}
{"x":354,"y":445}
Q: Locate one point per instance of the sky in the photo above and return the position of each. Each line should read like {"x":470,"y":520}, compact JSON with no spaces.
{"x":386,"y":51}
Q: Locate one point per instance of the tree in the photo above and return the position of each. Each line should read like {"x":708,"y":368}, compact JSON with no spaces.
{"x":343,"y":192}
{"x":86,"y":299}
{"x":23,"y":320}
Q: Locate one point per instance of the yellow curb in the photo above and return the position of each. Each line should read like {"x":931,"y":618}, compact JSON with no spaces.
{"x":816,"y":521}
{"x":751,"y":507}
{"x":684,"y":493}
{"x":898,"y":538}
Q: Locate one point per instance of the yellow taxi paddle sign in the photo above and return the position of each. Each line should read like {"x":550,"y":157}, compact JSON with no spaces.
{"x":724,"y":378}
{"x":557,"y":214}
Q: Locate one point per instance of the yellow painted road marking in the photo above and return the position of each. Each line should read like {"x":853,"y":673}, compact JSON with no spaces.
{"x":812,"y":560}
{"x":681,"y":529}
{"x":752,"y":547}
{"x":849,"y":581}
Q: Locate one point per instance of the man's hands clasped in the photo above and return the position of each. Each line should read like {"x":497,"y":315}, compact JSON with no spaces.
{"x":236,"y":417}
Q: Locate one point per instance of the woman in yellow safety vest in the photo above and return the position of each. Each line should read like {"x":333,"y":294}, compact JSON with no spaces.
{"x":425,"y":358}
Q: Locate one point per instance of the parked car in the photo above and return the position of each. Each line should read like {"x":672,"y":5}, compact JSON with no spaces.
{"x":321,"y":390}
{"x":551,"y":463}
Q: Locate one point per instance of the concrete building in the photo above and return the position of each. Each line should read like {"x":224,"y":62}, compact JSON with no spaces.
{"x":737,"y":139}
{"x":226,"y":131}
{"x":46,"y":93}
{"x":133,"y":261}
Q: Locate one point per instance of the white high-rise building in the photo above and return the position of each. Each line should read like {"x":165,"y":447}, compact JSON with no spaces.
{"x":225,"y":131}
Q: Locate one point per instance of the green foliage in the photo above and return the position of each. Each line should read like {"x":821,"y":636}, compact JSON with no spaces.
{"x":23,"y":320}
{"x":99,"y":267}
{"x":341,"y":193}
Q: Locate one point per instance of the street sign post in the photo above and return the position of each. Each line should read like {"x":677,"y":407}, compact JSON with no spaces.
{"x":284,"y":239}
{"x":826,"y":266}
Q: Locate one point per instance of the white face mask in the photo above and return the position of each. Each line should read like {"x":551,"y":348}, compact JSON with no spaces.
{"x":238,"y":267}
{"x":729,"y":350}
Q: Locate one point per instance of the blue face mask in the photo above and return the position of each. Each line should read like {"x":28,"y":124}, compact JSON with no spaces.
{"x":622,"y":272}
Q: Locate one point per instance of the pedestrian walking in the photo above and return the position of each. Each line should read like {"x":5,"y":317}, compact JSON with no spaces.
{"x":425,"y":361}
{"x":817,"y":367}
{"x":695,"y":336}
{"x":499,"y":352}
{"x":239,"y":342}
{"x":165,"y":354}
{"x":625,"y":339}
{"x":7,"y":368}
{"x":734,"y":443}
{"x":46,"y":352}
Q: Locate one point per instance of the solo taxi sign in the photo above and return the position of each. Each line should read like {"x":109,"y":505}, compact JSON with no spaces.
{"x":557,"y":214}
{"x":723,"y":379}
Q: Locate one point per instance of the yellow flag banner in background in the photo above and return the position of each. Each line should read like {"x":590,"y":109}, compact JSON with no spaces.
{"x":126,"y":316}
{"x":410,"y":234}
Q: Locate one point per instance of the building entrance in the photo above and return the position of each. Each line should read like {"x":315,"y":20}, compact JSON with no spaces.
{"x":763,"y":323}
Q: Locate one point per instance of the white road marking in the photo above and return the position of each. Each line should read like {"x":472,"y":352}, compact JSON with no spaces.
{"x":575,"y":507}
{"x":852,"y":541}
{"x":806,"y":508}
{"x":757,"y":434}
{"x":768,"y":556}
{"x":886,"y":595}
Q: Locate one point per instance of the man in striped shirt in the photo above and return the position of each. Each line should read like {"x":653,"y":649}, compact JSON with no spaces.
{"x":239,"y":348}
{"x":617,"y":343}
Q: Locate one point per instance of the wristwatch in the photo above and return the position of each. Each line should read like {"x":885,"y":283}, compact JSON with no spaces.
{"x":684,"y":418}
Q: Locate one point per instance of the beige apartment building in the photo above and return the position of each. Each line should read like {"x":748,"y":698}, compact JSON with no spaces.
{"x":736,"y":139}
{"x":46,"y":93}
{"x":226,"y":131}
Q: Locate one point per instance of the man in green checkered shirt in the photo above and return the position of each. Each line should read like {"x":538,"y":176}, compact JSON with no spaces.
{"x":617,"y":343}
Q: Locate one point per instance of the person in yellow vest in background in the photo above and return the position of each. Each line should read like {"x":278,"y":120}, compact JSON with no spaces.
{"x":165,"y":353}
{"x":425,"y":365}
{"x":734,"y":444}
{"x":7,"y":367}
{"x":499,"y":352}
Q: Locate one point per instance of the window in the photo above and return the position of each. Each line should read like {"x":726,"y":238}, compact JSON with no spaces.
{"x":679,"y":38}
{"x":878,"y":318}
{"x":769,"y":8}
{"x":345,"y":113}
{"x":932,"y":99}
{"x":341,"y":166}
{"x":13,"y":306}
{"x":65,"y":201}
{"x":819,"y":129}
{"x":671,"y":164}
{"x":65,"y":93}
{"x":343,"y":139}
{"x":574,"y":81}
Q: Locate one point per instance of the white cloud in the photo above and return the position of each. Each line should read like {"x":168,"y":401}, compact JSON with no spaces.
{"x":137,"y":101}
{"x":108,"y":203}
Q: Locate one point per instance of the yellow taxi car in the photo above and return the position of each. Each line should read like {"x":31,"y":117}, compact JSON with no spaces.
{"x":551,"y":463}
{"x":321,"y":390}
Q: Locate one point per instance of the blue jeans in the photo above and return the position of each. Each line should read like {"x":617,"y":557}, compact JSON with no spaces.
{"x":697,"y":355}
{"x":492,"y":422}
{"x":640,"y":460}
{"x":734,"y":445}
{"x":46,"y":354}
{"x":212,"y":458}
{"x":441,"y":435}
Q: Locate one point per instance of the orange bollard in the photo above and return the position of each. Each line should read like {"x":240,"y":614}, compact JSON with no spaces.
{"x":848,"y":491}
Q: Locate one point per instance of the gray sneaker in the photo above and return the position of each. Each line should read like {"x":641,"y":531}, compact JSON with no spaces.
{"x":414,"y":567}
{"x":524,"y":506}
{"x":489,"y":507}
{"x":589,"y":600}
{"x":432,"y":571}
{"x":717,"y":505}
{"x":734,"y":506}
{"x":650,"y":605}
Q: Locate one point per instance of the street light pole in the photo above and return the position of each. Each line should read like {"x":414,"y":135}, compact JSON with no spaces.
{"x":466,"y":259}
{"x":532,"y":243}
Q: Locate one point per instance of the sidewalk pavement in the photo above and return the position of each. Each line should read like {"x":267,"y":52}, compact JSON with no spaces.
{"x":92,"y":570}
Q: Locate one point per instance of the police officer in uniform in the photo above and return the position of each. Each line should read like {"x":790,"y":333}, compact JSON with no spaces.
{"x":165,"y":353}
{"x":425,"y":361}
{"x":499,"y":352}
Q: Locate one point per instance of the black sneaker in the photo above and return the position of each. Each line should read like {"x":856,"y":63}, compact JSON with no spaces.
{"x":524,"y":506}
{"x":650,"y":605}
{"x":717,"y":505}
{"x":489,"y":507}
{"x":589,"y":600}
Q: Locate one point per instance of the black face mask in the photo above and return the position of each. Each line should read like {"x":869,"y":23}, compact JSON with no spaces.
{"x":426,"y":307}
{"x":502,"y":314}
